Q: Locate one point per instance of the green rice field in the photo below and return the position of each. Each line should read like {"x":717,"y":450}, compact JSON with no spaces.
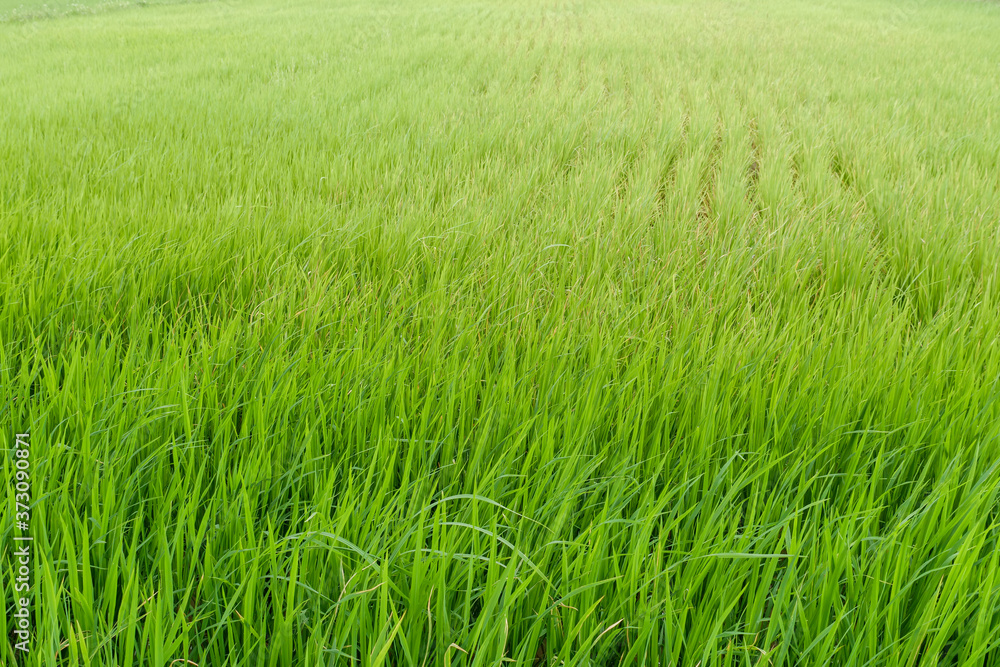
{"x":553,"y":333}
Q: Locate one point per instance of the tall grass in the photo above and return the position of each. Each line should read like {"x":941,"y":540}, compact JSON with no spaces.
{"x":16,"y":11}
{"x":476,"y":333}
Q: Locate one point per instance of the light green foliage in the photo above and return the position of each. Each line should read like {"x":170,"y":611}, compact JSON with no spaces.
{"x":524,"y":332}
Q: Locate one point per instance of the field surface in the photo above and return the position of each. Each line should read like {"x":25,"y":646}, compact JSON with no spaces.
{"x":549,"y":332}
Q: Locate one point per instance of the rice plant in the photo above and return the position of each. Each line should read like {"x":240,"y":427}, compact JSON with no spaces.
{"x":536,"y":332}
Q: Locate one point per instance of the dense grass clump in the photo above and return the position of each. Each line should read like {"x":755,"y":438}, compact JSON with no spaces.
{"x":539,"y":332}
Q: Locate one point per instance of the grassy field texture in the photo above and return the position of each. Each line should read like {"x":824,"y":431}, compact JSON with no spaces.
{"x":19,"y":11}
{"x":526,"y":332}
